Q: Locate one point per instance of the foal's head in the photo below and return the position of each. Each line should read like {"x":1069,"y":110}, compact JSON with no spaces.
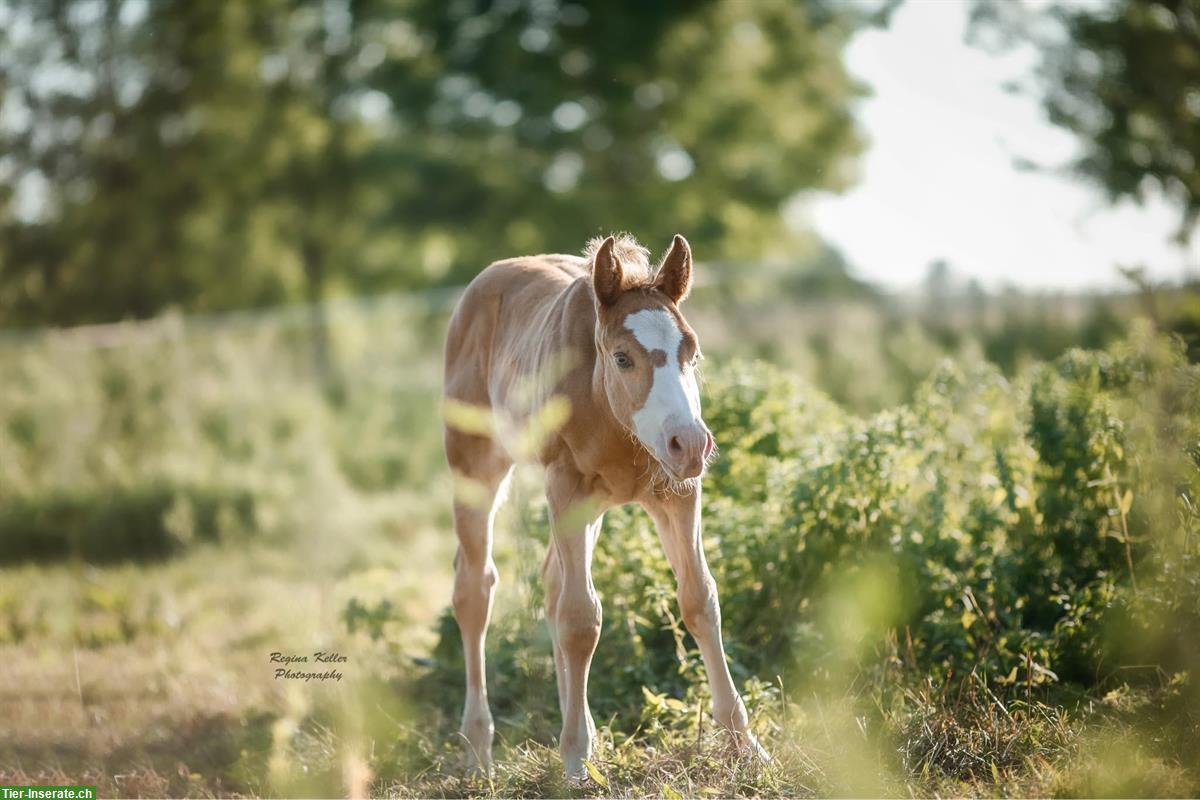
{"x":647,"y":353}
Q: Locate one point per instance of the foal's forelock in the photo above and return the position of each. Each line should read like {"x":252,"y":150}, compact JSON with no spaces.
{"x":634,"y":258}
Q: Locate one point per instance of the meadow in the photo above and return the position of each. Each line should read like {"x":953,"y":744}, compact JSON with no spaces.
{"x":953,"y":560}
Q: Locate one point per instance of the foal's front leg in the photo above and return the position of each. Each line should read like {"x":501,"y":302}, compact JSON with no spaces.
{"x":572,"y":609}
{"x":678,"y":520}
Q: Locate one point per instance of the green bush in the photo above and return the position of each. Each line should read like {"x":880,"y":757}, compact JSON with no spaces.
{"x":114,"y":525}
{"x":133,"y":441}
{"x":991,"y":526}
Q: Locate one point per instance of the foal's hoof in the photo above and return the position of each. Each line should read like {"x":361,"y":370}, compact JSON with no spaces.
{"x":475,"y":768}
{"x":477,"y":763}
{"x":747,"y":745}
{"x":476,"y":736}
{"x":577,"y":778}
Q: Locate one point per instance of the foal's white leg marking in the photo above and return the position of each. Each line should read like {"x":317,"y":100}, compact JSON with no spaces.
{"x":674,"y":392}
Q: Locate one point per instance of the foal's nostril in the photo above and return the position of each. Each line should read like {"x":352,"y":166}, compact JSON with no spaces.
{"x":675,"y":446}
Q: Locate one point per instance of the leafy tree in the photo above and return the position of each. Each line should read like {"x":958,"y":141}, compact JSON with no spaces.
{"x":547,"y":123}
{"x":197,"y":155}
{"x":141,"y":141}
{"x":1125,"y":77}
{"x":209,"y":156}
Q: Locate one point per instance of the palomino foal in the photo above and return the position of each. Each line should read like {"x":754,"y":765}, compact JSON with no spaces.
{"x":604,"y":333}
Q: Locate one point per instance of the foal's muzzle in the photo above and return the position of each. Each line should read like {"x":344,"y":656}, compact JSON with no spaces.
{"x":687,"y":448}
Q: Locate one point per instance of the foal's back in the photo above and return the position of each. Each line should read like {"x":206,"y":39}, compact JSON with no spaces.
{"x":511,"y":321}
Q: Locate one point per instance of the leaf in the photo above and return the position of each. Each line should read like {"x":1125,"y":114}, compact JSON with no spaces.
{"x":1127,"y":501}
{"x":467,"y":418}
{"x":543,"y":424}
{"x":676,"y":705}
{"x":597,"y":776}
{"x":995,"y":773}
{"x":669,"y":792}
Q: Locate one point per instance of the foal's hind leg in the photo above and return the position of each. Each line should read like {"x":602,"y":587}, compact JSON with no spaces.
{"x":552,"y":579}
{"x":481,"y":473}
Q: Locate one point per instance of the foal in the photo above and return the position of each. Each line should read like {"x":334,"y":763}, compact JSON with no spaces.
{"x":605,"y":334}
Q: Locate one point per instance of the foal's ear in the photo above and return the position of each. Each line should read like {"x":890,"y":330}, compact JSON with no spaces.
{"x":607,"y":275}
{"x":674,"y":277}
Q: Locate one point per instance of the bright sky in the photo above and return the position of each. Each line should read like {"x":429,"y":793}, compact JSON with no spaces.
{"x":938,"y":180}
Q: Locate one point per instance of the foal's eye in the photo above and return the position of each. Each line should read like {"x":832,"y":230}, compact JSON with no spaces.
{"x":623,"y":361}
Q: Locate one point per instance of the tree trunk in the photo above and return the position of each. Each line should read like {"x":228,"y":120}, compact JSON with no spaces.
{"x":324,"y":364}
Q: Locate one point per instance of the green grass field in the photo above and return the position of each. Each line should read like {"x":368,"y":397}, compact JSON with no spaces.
{"x":949,"y":580}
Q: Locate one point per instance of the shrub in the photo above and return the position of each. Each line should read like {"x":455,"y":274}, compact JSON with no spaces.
{"x":118,"y":524}
{"x":131,"y":441}
{"x":990,"y":526}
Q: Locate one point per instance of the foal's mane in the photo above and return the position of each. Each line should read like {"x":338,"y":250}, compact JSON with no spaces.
{"x":634,"y":258}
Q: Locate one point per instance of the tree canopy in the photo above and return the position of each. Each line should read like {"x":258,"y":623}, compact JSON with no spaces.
{"x":216,"y":155}
{"x":1124,"y":76}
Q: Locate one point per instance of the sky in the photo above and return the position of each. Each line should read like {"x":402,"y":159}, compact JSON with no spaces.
{"x":937,"y":180}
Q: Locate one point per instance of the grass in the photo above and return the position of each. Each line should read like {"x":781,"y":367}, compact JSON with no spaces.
{"x":133,"y":678}
{"x":978,"y":747}
{"x":153,"y":679}
{"x":151,"y":676}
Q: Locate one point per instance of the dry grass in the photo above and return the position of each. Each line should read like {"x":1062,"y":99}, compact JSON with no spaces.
{"x":153,"y":680}
{"x":183,"y":704}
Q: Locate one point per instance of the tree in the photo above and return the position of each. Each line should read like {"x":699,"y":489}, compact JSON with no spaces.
{"x":547,"y":124}
{"x":216,"y":155}
{"x":1124,"y":76}
{"x":150,"y":138}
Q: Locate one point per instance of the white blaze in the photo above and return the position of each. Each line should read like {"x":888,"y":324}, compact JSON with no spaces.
{"x":673,"y":393}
